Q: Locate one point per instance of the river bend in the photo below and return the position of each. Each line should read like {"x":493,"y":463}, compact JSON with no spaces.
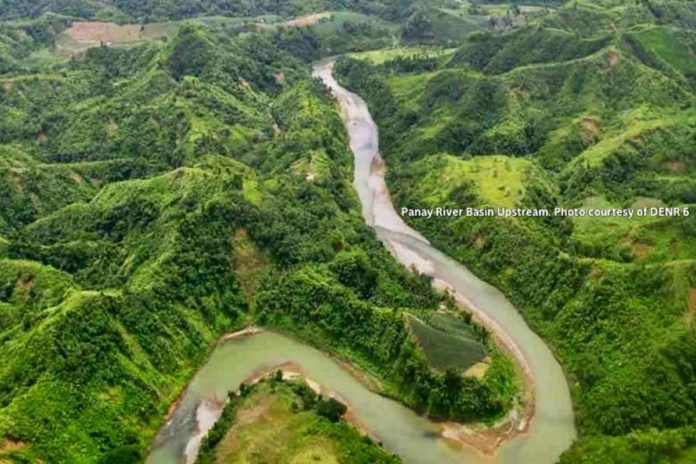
{"x":415,"y":439}
{"x":552,"y":427}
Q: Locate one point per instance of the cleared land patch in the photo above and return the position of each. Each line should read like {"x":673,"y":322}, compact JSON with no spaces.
{"x":82,"y":35}
{"x":447,"y":343}
{"x":307,"y":20}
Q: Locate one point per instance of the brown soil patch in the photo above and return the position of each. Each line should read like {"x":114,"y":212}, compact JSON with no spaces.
{"x":12,"y":445}
{"x":96,"y":31}
{"x":640,"y":249}
{"x":26,"y":283}
{"x":519,"y":91}
{"x":86,"y":34}
{"x":675,"y":166}
{"x":306,"y":20}
{"x":589,"y":129}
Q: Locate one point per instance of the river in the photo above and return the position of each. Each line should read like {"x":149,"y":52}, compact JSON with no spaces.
{"x":401,"y":430}
{"x":552,"y":428}
{"x":415,"y":439}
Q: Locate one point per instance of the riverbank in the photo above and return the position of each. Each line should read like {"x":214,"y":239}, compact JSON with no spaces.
{"x":544,"y":426}
{"x":246,"y":357}
{"x":292,"y":371}
{"x":283,"y":420}
{"x":455,"y":434}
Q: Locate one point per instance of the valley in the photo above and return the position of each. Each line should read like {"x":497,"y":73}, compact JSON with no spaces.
{"x":347,"y":231}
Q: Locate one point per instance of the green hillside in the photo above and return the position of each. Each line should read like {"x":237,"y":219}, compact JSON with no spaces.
{"x":169,"y":172}
{"x":169,"y":9}
{"x":291,"y":422}
{"x":157,"y":196}
{"x":589,"y":107}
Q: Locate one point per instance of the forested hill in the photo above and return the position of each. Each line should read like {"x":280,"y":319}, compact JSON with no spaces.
{"x":591,"y":107}
{"x":151,"y":10}
{"x":154,"y":197}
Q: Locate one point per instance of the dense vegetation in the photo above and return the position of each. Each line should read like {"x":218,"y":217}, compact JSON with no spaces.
{"x":291,"y":422}
{"x":156,"y":196}
{"x":149,"y":10}
{"x":592,"y":107}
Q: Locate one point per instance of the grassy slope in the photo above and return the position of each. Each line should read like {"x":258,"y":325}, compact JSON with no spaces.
{"x":93,"y":354}
{"x":274,"y":421}
{"x":77,"y":359}
{"x":610,"y":123}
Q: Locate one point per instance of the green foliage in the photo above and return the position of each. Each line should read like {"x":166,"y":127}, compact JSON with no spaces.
{"x":150,"y":10}
{"x":98,"y":347}
{"x":297,"y":413}
{"x":353,"y":270}
{"x":190,"y":54}
{"x":602,"y":106}
{"x":331,"y":409}
{"x":126,"y":175}
{"x":668,"y":446}
{"x":447,"y":348}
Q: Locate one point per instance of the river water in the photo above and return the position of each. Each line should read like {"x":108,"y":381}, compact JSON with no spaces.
{"x":401,"y":430}
{"x":415,"y":439}
{"x":552,"y":428}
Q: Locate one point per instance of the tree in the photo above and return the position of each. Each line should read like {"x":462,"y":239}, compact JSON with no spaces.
{"x":331,"y":409}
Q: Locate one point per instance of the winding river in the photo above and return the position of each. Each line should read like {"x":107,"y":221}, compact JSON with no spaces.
{"x":552,"y":428}
{"x":415,"y":439}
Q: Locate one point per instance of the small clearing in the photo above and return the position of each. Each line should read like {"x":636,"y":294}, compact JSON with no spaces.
{"x":249,"y":262}
{"x":307,"y":20}
{"x":87,"y":34}
{"x":96,"y":31}
{"x":675,"y":166}
{"x":692,"y":306}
